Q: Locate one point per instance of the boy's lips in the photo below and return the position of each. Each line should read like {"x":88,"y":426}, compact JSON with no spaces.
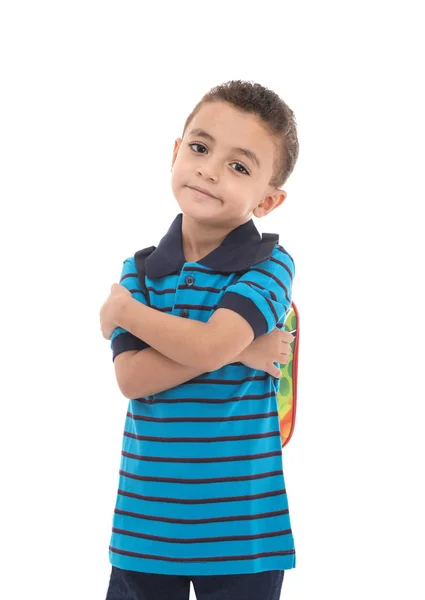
{"x":203,"y":191}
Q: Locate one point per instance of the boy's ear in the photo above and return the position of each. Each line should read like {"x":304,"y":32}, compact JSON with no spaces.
{"x":175,"y":151}
{"x":270,"y":202}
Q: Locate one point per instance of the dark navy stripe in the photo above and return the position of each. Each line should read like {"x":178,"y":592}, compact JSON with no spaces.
{"x":225,"y":459}
{"x":208,"y":559}
{"x":224,"y":438}
{"x":201,"y":500}
{"x":272,"y":294}
{"x":251,"y":517}
{"x":279,"y":262}
{"x":223,"y":538}
{"x":215,"y":381}
{"x":201,"y":419}
{"x":206,"y":400}
{"x":282,"y":285}
{"x":187,"y":287}
{"x":194,"y":481}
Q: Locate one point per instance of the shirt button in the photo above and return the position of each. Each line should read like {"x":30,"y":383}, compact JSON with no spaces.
{"x":190,"y":280}
{"x":184,"y":313}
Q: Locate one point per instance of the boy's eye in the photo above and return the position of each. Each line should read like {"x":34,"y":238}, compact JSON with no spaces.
{"x":196,"y":144}
{"x":234,"y":163}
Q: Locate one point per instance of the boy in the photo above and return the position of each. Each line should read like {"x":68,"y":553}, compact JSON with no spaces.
{"x":201,"y":491}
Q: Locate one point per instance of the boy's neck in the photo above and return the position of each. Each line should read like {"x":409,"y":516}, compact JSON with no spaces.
{"x":199,"y":239}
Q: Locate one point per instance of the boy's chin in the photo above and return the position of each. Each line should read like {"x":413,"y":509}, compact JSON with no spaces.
{"x":199,"y":209}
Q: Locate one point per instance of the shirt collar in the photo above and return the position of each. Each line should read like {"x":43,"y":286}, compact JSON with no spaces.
{"x":241,"y":248}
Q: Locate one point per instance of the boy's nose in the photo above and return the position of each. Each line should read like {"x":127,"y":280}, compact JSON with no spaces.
{"x":208,"y":172}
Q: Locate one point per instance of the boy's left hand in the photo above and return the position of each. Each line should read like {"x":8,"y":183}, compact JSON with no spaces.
{"x":109,"y":309}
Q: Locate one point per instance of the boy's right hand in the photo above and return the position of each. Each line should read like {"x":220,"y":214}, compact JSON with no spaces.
{"x":267,"y":349}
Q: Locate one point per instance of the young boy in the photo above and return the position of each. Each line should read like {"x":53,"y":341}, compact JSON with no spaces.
{"x":201,"y":493}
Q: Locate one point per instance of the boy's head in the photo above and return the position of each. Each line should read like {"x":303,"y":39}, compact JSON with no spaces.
{"x":240,"y":144}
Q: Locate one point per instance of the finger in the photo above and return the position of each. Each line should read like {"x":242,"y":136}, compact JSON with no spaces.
{"x":286,"y":349}
{"x":287,"y":337}
{"x":274,"y":372}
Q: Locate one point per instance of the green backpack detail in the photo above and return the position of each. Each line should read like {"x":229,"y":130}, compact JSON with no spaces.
{"x":287,"y":394}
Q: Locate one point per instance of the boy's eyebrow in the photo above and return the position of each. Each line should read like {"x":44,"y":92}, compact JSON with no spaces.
{"x":248,"y":153}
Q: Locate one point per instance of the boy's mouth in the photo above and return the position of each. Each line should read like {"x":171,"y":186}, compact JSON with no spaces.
{"x":202,"y":191}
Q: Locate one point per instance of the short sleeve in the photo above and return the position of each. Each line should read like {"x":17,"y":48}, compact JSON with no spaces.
{"x":122,"y":340}
{"x":263,"y":295}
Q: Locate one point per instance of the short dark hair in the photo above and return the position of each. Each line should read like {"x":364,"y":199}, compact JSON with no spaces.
{"x":273,"y":112}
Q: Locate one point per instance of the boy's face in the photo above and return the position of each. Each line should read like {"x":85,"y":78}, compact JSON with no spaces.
{"x":239,"y":185}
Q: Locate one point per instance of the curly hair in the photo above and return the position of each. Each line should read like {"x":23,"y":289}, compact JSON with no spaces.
{"x":274,"y":113}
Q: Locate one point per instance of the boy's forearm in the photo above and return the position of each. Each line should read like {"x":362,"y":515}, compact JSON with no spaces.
{"x":185,"y":341}
{"x":151,"y":372}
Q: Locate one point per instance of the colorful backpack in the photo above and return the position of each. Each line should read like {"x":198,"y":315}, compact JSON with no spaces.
{"x":287,"y":394}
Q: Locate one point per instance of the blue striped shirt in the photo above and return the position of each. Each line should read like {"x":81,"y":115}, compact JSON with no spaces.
{"x":201,"y":487}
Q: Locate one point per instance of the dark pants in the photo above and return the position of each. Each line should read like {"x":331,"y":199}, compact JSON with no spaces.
{"x":134,"y":585}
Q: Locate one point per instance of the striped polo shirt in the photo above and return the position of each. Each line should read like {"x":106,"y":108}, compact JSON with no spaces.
{"x":201,"y":487}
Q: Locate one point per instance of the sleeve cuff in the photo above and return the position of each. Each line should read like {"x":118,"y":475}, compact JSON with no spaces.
{"x":247,"y":309}
{"x":127,"y":341}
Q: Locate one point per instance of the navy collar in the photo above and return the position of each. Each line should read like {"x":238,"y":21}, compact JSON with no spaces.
{"x":241,"y":248}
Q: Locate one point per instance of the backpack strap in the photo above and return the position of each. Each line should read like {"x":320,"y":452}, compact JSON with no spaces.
{"x":139,"y":259}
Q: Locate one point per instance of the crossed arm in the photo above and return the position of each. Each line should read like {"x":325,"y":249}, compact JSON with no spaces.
{"x":206,"y":346}
{"x":182,"y":349}
{"x":162,"y":366}
{"x":147,"y":372}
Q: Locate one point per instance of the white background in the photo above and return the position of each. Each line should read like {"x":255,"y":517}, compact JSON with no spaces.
{"x":93,"y":96}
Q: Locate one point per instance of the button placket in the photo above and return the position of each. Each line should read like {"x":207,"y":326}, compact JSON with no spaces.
{"x":189,"y":281}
